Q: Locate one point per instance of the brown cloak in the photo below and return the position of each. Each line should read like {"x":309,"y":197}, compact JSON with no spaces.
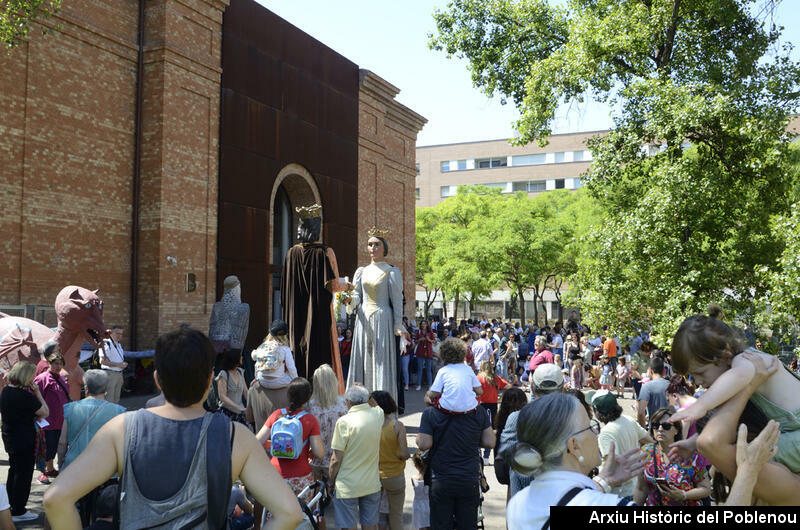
{"x":307,"y":308}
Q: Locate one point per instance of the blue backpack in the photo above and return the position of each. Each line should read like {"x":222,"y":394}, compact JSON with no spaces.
{"x":286,"y":436}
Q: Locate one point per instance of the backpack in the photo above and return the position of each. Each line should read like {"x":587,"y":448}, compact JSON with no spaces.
{"x":286,"y":436}
{"x":268,"y":357}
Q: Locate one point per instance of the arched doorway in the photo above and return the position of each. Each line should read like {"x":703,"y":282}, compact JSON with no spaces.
{"x":294,"y":187}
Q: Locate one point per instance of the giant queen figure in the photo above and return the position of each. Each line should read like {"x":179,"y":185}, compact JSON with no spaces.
{"x":309,"y":278}
{"x":377,"y":301}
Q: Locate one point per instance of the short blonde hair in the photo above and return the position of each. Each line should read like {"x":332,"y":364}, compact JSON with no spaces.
{"x":326,"y":387}
{"x":21,"y":373}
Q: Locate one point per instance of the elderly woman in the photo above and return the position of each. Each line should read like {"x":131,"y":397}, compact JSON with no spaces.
{"x":665,"y":482}
{"x":558,"y":443}
{"x":179,"y":461}
{"x":21,"y":403}
{"x":82,"y":420}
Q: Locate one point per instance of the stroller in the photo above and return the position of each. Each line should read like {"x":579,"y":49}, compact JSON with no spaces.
{"x":314,"y":508}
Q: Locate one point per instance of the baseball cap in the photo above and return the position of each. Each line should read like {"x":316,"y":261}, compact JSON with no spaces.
{"x":548,"y":377}
{"x":604,"y":401}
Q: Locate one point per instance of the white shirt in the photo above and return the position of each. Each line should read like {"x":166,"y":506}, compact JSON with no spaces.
{"x":113,"y":352}
{"x":557,"y":341}
{"x":482,"y":351}
{"x":625,"y":432}
{"x":530,"y":508}
{"x":455,"y":382}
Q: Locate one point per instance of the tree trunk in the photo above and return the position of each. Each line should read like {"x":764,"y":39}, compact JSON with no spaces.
{"x":521,"y":300}
{"x":455,"y":307}
{"x":536,"y":306}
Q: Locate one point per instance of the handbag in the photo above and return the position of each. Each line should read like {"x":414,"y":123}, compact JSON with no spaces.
{"x":502,"y":470}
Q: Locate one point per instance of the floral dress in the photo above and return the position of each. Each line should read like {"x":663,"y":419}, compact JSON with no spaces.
{"x":684,"y":475}
{"x":327,"y":422}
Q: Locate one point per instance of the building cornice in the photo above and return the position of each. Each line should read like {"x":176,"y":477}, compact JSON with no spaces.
{"x":385,"y":92}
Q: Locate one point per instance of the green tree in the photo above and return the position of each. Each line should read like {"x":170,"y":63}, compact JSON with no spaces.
{"x":16,"y":17}
{"x":517,"y":244}
{"x":427,"y":221}
{"x":454,"y":266}
{"x":698,"y":140}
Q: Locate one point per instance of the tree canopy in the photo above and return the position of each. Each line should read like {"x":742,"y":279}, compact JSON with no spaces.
{"x":693,"y":175}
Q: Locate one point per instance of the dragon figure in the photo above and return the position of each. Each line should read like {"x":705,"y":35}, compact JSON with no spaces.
{"x":80,"y":319}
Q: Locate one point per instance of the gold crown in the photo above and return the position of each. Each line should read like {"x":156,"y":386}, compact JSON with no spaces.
{"x":309,"y":212}
{"x":377,"y":232}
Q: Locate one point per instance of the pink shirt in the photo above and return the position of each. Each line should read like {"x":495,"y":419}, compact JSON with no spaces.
{"x":543,"y":357}
{"x":55,"y":398}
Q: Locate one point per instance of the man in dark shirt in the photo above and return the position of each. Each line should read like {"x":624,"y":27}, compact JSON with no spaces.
{"x":454,"y":440}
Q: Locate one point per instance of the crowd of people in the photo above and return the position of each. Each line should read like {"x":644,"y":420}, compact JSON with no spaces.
{"x":539,"y":405}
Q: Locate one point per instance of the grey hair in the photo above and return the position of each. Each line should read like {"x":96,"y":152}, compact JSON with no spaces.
{"x":356,"y":395}
{"x":543,"y":428}
{"x":96,"y":382}
{"x":540,"y":339}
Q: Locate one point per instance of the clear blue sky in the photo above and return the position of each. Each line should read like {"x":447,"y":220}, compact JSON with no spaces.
{"x":391,"y":39}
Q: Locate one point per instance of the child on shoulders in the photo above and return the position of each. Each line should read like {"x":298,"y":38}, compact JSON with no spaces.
{"x":709,"y":350}
{"x":455,"y":387}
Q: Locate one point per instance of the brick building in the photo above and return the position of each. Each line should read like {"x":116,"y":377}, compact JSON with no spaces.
{"x":149,"y":149}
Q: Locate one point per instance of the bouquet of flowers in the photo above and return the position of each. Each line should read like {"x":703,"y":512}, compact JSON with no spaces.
{"x":340,"y":301}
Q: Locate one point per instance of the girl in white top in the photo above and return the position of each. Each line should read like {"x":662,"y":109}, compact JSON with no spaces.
{"x":421,"y":509}
{"x":275,"y":366}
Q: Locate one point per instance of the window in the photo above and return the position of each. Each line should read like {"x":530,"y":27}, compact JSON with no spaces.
{"x":462,"y":165}
{"x":520,"y":186}
{"x":446,"y":166}
{"x":577,"y":156}
{"x":560,"y":157}
{"x":501,"y":185}
{"x":417,"y":169}
{"x":448,"y":191}
{"x":529,"y":160}
{"x":416,"y":193}
{"x":559,"y":184}
{"x":486,"y":163}
{"x":537,"y":185}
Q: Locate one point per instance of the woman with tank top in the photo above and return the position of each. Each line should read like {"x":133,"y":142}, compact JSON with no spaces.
{"x":392,"y":460}
{"x":231,"y":386}
{"x":176,"y":462}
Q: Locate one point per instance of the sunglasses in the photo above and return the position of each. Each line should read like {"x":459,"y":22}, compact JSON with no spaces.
{"x":664,"y":425}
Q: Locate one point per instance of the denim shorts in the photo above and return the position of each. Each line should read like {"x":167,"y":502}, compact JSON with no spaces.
{"x":349,"y":512}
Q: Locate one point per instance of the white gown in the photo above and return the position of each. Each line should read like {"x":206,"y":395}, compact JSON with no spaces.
{"x":378,"y":302}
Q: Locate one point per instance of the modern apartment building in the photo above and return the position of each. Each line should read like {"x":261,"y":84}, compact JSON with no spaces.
{"x":496,"y":163}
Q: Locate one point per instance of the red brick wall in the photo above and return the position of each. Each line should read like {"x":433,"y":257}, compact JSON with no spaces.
{"x":67,"y":104}
{"x":66,"y":144}
{"x":386,"y":176}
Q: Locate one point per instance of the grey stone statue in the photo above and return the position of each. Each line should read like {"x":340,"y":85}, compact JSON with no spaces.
{"x":230,"y":318}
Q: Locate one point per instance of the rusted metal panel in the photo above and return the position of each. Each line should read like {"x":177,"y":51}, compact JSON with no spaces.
{"x":286,"y":99}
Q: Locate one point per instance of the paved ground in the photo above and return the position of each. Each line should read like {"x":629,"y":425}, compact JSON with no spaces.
{"x":493,"y":506}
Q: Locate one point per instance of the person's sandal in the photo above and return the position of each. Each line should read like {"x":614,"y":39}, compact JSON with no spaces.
{"x":43,"y":479}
